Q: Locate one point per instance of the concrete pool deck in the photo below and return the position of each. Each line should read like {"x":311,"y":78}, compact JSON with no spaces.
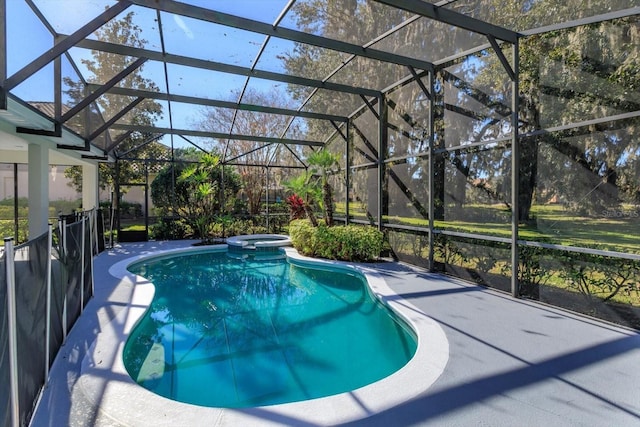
{"x":511,"y":362}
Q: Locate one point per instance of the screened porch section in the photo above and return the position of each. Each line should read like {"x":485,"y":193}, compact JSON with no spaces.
{"x":496,"y":142}
{"x":493,"y":141}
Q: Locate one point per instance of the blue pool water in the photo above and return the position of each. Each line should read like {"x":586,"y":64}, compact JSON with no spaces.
{"x":239,"y":330}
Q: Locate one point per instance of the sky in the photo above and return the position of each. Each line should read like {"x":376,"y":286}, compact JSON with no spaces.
{"x":28,"y":38}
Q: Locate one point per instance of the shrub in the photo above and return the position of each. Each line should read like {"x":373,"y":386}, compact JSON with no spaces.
{"x":302,"y":235}
{"x":130,"y":209}
{"x":170,"y":229}
{"x":296,"y":207}
{"x":236,"y":227}
{"x":600,"y":278}
{"x":344,"y":242}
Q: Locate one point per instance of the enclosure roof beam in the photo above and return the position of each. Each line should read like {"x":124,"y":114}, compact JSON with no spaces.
{"x":217,"y":135}
{"x":193,"y":143}
{"x":147,"y":141}
{"x":223,"y":104}
{"x":115,"y":118}
{"x":370,"y":106}
{"x":102,"y":89}
{"x":260,"y":165}
{"x":454,"y":18}
{"x":367,"y":143}
{"x":476,"y":94}
{"x":448,"y":61}
{"x":217,"y":66}
{"x":64,"y":45}
{"x":503,"y":59}
{"x":609,"y":16}
{"x":338,"y":130}
{"x":246,"y":153}
{"x":418,"y":80}
{"x":397,"y":85}
{"x":118,"y":141}
{"x":233,"y":21}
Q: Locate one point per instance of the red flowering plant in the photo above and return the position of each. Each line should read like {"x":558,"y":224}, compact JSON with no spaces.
{"x":296,"y":207}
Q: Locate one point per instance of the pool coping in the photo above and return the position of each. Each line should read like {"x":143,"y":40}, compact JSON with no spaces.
{"x":105,"y":382}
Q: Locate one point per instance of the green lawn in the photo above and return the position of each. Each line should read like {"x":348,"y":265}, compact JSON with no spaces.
{"x":562,"y":227}
{"x":550,"y":223}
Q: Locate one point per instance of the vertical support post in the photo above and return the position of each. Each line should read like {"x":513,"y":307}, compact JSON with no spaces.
{"x":94,"y":246}
{"x":13,"y":332}
{"x":116,"y":200}
{"x":16,"y":207}
{"x":3,"y":53}
{"x":267,"y":195}
{"x":173,"y":183}
{"x":63,"y":256}
{"x":146,"y":199}
{"x":82,"y":245}
{"x":57,"y":87}
{"x":92,"y":229}
{"x":38,"y":189}
{"x":515,"y":170}
{"x":431,"y":171}
{"x":90,"y":186}
{"x":47,"y":357}
{"x":347,"y":172}
{"x":382,"y":154}
{"x":112,"y":216}
{"x":222,"y":200}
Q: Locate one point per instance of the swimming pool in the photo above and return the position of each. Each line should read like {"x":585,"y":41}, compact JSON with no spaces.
{"x":105,"y":382}
{"x":229,"y":331}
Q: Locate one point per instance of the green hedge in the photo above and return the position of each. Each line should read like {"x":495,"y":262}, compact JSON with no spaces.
{"x":342,"y":242}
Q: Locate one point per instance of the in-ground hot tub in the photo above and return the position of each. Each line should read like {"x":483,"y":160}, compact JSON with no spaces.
{"x":259,"y":241}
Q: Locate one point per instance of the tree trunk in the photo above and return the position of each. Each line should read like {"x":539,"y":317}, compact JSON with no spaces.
{"x":439,"y":163}
{"x":528,"y":177}
{"x":328,"y":204}
{"x":310,"y":214}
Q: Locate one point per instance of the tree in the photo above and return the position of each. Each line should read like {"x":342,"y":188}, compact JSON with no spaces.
{"x":250,"y":157}
{"x":201,"y":194}
{"x":352,"y":21}
{"x":322,"y":161}
{"x":361,"y":22}
{"x":566,"y":76}
{"x":103,"y":66}
{"x":203,"y":184}
{"x":570,"y":76}
{"x":166,"y":192}
{"x":203,"y":191}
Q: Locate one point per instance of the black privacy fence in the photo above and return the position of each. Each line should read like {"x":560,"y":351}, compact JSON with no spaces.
{"x":45,"y":284}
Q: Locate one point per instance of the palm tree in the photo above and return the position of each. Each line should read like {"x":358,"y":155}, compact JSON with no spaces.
{"x":323,"y":161}
{"x":202,"y":193}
